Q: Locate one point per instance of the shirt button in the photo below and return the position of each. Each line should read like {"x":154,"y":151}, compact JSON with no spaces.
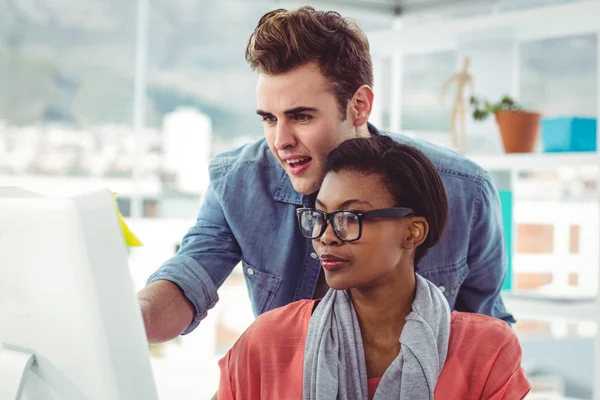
{"x":442,"y":289}
{"x":314,"y":255}
{"x":250,"y":271}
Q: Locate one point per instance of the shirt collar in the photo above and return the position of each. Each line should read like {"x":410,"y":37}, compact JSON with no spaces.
{"x":285,"y":192}
{"x":372,"y":129}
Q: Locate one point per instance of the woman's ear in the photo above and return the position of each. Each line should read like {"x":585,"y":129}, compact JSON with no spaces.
{"x":417,"y":231}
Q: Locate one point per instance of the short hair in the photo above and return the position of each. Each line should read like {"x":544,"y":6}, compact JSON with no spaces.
{"x":284,"y":40}
{"x":407,"y":174}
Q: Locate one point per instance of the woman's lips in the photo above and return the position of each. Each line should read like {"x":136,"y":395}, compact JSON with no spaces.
{"x":331,"y":262}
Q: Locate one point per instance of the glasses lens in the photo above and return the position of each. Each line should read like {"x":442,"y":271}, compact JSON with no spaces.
{"x":311,"y":223}
{"x":347,"y":225}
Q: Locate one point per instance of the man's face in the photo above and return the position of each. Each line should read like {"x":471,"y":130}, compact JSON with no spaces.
{"x":302,"y":123}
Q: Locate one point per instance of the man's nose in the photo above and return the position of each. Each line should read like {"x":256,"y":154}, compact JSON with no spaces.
{"x":284,"y":136}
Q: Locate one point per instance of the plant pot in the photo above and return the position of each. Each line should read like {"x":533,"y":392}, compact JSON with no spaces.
{"x":519,"y":130}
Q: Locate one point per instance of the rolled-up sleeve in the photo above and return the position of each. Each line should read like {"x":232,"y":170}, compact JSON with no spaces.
{"x":208,"y":254}
{"x":487,"y":257}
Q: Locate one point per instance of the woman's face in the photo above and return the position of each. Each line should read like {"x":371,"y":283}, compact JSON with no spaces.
{"x":386,"y":246}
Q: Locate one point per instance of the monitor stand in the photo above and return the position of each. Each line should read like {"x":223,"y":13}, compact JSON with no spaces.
{"x":15,"y":366}
{"x":19,"y":379}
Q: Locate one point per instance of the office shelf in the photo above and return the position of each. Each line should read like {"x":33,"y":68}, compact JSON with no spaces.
{"x":537,"y":161}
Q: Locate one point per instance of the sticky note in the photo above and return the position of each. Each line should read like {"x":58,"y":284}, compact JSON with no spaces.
{"x":130,"y":238}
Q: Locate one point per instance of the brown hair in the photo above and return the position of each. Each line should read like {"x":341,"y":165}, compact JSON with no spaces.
{"x":284,"y":40}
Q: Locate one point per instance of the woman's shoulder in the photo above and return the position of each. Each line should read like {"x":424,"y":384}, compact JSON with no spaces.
{"x":467,"y":325}
{"x":293,"y":315}
{"x":479,"y":341}
{"x":287,"y":324}
{"x":267,"y":359}
{"x":484,"y":357}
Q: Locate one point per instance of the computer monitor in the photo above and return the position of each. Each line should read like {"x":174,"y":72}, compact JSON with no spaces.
{"x":69,"y":316}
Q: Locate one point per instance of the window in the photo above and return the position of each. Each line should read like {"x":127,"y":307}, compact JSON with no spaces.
{"x":423,"y":76}
{"x":559,"y":76}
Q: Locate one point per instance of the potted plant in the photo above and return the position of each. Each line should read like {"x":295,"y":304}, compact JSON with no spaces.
{"x":519,"y":129}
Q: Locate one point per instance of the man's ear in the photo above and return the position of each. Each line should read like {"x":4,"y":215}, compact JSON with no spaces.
{"x":416,"y":232}
{"x":361,"y":105}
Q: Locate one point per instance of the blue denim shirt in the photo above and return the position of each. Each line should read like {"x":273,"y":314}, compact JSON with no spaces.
{"x":249,"y":214}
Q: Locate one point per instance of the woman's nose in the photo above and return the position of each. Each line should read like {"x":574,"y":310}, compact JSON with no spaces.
{"x":329,"y":237}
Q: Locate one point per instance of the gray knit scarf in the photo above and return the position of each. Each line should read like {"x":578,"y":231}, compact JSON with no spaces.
{"x":334,"y":360}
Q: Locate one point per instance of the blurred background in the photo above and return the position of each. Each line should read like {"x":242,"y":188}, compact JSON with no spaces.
{"x":137,"y":96}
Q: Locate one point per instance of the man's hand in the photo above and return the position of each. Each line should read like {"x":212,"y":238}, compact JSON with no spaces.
{"x":166,"y":311}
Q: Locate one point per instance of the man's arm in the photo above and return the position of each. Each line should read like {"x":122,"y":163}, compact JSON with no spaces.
{"x":166,"y":311}
{"x":184,"y":288}
{"x":487,"y":257}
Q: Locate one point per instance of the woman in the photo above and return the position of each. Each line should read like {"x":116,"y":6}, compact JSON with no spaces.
{"x":381,"y":331}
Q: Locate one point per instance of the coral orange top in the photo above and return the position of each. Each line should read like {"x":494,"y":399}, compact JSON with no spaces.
{"x":267,"y":362}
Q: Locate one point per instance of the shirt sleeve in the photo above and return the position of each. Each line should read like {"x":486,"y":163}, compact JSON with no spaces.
{"x":506,"y":379}
{"x":225,"y":391}
{"x":487,"y":257}
{"x":208,"y":254}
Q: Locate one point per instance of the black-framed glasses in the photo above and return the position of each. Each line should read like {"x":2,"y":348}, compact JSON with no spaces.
{"x":347,"y":224}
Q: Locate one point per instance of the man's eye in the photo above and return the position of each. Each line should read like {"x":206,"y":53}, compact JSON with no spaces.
{"x":269,"y":119}
{"x":303,"y":117}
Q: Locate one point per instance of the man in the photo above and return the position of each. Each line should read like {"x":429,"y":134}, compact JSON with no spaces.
{"x":314,"y":91}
